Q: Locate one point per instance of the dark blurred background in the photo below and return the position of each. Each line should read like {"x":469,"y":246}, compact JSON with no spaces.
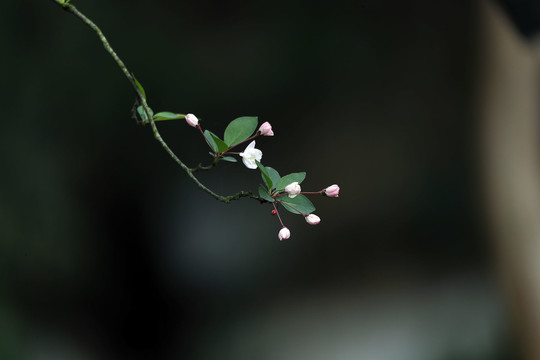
{"x":109,"y":251}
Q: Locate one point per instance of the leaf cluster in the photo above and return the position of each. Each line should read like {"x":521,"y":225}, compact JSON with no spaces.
{"x":274,"y":186}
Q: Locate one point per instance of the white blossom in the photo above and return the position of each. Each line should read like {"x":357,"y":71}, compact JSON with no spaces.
{"x":250,"y":155}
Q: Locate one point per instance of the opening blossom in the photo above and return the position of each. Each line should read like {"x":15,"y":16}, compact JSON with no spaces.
{"x":293,"y":189}
{"x":192,"y":120}
{"x":332,"y":191}
{"x":250,"y":155}
{"x":284,"y":234}
{"x":313,"y":219}
{"x":266,"y":129}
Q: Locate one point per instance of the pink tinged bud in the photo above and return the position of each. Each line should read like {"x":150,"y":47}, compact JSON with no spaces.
{"x":192,"y":120}
{"x":266,"y":129}
{"x":293,"y":189}
{"x":284,"y":234}
{"x":332,"y":191}
{"x":313,"y":219}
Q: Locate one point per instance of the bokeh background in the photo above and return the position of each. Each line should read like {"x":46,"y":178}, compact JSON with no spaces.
{"x":109,"y":251}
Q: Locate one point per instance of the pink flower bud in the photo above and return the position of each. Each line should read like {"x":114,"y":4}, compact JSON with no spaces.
{"x":332,"y":191}
{"x":192,"y":120}
{"x":284,"y":234}
{"x":293,"y":189}
{"x":266,"y":129}
{"x":313,"y":219}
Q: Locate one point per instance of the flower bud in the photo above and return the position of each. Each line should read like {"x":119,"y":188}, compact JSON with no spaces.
{"x":312,"y":219}
{"x":192,"y":120}
{"x":332,"y":191}
{"x":293,"y":189}
{"x":284,"y":234}
{"x":266,"y":129}
{"x":274,"y":212}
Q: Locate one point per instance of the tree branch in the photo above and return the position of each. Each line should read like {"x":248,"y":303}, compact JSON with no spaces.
{"x":226,"y":199}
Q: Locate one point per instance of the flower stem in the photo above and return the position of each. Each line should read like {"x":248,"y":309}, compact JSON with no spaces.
{"x":277,"y":213}
{"x":241,"y":142}
{"x":292,"y":207}
{"x":303,"y":192}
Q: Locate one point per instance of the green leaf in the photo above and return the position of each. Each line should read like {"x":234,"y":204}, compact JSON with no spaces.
{"x":273,"y":175}
{"x":288,"y":179}
{"x":165,"y":115}
{"x":298,"y":204}
{"x":222,"y":147}
{"x":264,"y":194}
{"x":229,"y":158}
{"x":142,"y":113}
{"x":139,"y":85}
{"x":265,"y":176}
{"x":211,"y":140}
{"x":240,"y":129}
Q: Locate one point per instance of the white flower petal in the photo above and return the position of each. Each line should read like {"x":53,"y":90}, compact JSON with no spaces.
{"x":250,"y":163}
{"x":251,"y":155}
{"x":258,"y":154}
{"x":293,"y":189}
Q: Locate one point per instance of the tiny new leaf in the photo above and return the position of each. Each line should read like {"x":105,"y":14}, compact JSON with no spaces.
{"x":166,"y":115}
{"x":240,"y":129}
{"x":141,"y":89}
{"x":264,"y":194}
{"x":142,"y":113}
{"x":288,"y":179}
{"x":298,"y":204}
{"x":229,"y":158}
